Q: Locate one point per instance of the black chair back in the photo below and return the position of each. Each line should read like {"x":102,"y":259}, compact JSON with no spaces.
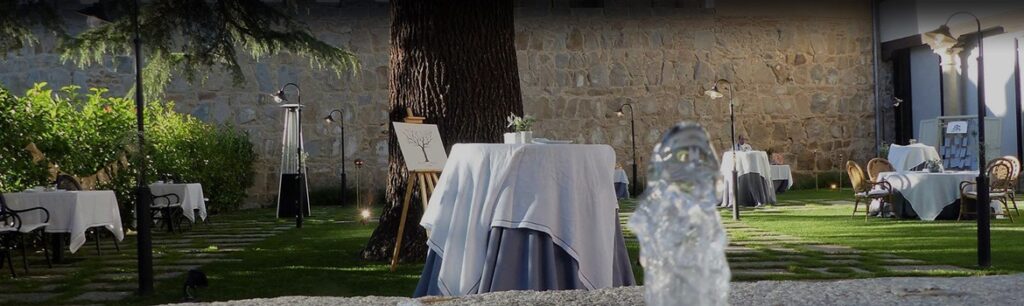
{"x":67,"y":182}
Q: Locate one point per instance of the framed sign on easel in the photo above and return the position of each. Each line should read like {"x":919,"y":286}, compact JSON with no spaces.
{"x":424,"y":158}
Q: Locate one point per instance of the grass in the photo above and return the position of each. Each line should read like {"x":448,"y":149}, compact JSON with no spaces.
{"x":936,"y":242}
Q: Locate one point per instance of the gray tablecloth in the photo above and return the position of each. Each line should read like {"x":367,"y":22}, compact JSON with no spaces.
{"x":621,"y":190}
{"x":754,"y":190}
{"x":524,"y":259}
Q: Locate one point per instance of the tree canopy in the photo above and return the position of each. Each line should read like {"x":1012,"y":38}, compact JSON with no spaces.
{"x":180,"y":37}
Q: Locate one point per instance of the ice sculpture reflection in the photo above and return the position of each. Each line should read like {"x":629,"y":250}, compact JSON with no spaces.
{"x":682,"y":241}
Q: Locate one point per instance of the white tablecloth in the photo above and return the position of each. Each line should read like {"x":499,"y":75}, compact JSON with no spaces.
{"x":782,"y":172}
{"x":71,"y":212}
{"x":928,"y":193}
{"x":621,"y":177}
{"x":746,"y":162}
{"x":561,"y":190}
{"x":905,"y":158}
{"x":191,"y":196}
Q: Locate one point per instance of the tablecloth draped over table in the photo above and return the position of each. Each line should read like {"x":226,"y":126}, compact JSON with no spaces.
{"x":71,"y":212}
{"x":782,"y":177}
{"x":621,"y":184}
{"x":929,"y":193}
{"x":911,"y":157}
{"x":192,"y":197}
{"x":559,"y":190}
{"x":755,"y":186}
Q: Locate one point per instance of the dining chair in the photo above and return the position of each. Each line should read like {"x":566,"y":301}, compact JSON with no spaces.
{"x":867,"y":190}
{"x":28,"y":231}
{"x":1011,"y":190}
{"x":999,"y":173}
{"x":878,"y":165}
{"x":10,"y":225}
{"x":167,"y":209}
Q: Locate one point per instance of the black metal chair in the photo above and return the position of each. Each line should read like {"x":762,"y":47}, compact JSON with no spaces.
{"x":10,"y":226}
{"x":166,"y":209}
{"x":25,"y":231}
{"x":67,"y":182}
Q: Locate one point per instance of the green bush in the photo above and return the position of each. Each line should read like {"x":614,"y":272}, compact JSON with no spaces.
{"x":82,"y":134}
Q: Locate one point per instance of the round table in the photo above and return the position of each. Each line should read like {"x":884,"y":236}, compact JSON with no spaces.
{"x":753,"y":173}
{"x":911,"y":157}
{"x":929,"y":193}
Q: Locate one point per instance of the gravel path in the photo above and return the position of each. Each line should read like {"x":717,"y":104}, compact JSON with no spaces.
{"x":992,"y":290}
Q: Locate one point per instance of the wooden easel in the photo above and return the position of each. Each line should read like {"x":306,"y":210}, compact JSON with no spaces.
{"x":426,"y":181}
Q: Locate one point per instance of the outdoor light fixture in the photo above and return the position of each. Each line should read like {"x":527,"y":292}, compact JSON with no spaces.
{"x":834,"y":186}
{"x":144,"y":238}
{"x":341,"y":121}
{"x":365,"y":213}
{"x":715,"y":93}
{"x":632,"y":138}
{"x":299,"y":191}
{"x":939,"y":38}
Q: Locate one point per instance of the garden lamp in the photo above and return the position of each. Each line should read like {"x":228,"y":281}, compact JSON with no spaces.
{"x":940,"y":38}
{"x":715,"y":93}
{"x":632,"y":138}
{"x":330,"y":120}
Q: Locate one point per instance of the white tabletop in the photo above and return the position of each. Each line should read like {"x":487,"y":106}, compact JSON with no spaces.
{"x":191,"y":196}
{"x":746,"y":162}
{"x":561,"y":190}
{"x":928,"y":192}
{"x":782,"y":172}
{"x":621,"y":177}
{"x":905,"y":158}
{"x":71,"y":212}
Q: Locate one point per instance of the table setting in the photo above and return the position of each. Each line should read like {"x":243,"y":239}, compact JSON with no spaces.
{"x":71,"y":212}
{"x":754,"y":175}
{"x":190,"y":196}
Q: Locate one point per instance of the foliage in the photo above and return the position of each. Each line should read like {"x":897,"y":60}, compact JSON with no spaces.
{"x":520,"y":124}
{"x":17,"y":17}
{"x":189,"y":36}
{"x":83,"y":134}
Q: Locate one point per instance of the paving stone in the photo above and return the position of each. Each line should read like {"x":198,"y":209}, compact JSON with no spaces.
{"x":783,"y":250}
{"x":167,"y":275}
{"x":740,"y":250}
{"x":761,"y":272}
{"x":203,"y":261}
{"x":927,"y":268}
{"x":821,"y":270}
{"x":841,"y":262}
{"x":831,"y":249}
{"x":794,"y":257}
{"x":115,"y":286}
{"x":901,"y":261}
{"x":859,"y":270}
{"x":760,"y":264}
{"x":103,"y":296}
{"x":34,"y":297}
{"x":115,"y":276}
{"x":888,"y":255}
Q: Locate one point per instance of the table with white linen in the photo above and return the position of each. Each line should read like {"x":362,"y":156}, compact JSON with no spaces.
{"x":783,"y":175}
{"x":190,"y":195}
{"x":488,"y":193}
{"x":621,"y":181}
{"x":72,"y":212}
{"x":911,"y":157}
{"x":753,"y":173}
{"x":929,"y":193}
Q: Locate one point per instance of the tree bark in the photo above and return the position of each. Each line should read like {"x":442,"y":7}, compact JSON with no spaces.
{"x":453,"y":62}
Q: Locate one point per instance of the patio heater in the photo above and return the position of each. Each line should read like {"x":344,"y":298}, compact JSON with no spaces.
{"x":632,"y":138}
{"x":293,"y":188}
{"x":144,"y":238}
{"x":715,"y":93}
{"x":341,"y":123}
{"x":941,"y":38}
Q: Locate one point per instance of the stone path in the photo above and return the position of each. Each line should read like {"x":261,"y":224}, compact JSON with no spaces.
{"x":91,"y":278}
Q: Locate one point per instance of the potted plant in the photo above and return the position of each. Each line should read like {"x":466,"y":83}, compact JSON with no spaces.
{"x":521,"y":127}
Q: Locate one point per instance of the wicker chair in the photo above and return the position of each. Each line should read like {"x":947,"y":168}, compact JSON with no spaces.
{"x":866,"y":190}
{"x":67,"y":182}
{"x":999,"y":173}
{"x":24,"y":231}
{"x":878,"y":165}
{"x":1011,"y":189}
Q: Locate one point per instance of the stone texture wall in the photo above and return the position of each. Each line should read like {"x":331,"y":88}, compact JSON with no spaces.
{"x":802,"y":80}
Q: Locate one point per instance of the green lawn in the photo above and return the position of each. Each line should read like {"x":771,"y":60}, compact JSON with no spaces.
{"x":940,"y":242}
{"x":322,"y":258}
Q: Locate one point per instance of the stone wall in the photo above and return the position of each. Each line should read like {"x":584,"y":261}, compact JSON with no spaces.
{"x":802,"y":80}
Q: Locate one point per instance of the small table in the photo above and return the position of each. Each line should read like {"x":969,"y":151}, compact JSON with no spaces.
{"x":911,"y":157}
{"x":753,"y":172}
{"x":71,"y":212}
{"x":782,"y":178}
{"x":621,"y":183}
{"x":929,"y":193}
{"x":524,"y":217}
{"x":191,"y":196}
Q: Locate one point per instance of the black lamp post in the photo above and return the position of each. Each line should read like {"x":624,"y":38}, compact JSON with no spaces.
{"x":632,"y":138}
{"x":941,"y":38}
{"x":280,"y":97}
{"x":144,"y":238}
{"x":714,"y":93}
{"x":330,"y":119}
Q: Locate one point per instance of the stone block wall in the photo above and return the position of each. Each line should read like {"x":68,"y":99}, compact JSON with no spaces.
{"x":802,"y":81}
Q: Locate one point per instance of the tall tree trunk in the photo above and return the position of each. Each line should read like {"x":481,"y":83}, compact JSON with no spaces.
{"x":453,"y":62}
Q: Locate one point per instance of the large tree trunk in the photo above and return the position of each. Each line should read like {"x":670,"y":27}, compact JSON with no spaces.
{"x":453,"y":62}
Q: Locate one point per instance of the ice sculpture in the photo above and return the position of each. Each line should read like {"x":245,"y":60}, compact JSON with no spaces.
{"x":682,"y":241}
